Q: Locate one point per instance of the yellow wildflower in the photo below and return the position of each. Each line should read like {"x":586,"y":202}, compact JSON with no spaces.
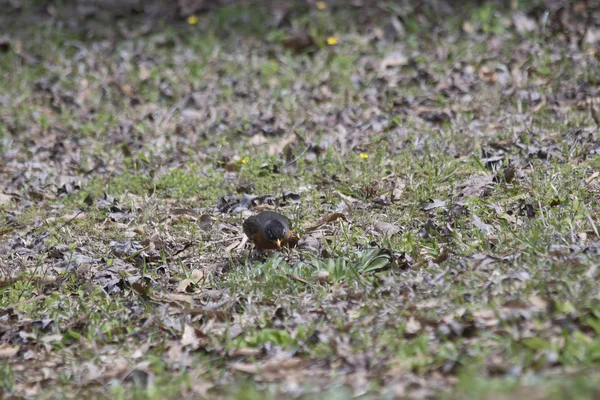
{"x":192,"y":20}
{"x":332,"y":40}
{"x":321,"y":5}
{"x":244,"y":161}
{"x":363,"y":156}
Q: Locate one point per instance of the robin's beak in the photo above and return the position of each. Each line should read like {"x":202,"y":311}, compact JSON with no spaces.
{"x":278,"y":242}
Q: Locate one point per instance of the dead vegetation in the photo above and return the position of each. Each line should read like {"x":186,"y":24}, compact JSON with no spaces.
{"x":439,"y":163}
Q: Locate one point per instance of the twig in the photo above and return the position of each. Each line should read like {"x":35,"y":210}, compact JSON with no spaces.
{"x":298,"y":279}
{"x":32,"y":300}
{"x":185,"y":247}
{"x":591,"y":221}
{"x":174,"y":110}
{"x":307,"y":146}
{"x":594,"y":114}
{"x":36,"y":279}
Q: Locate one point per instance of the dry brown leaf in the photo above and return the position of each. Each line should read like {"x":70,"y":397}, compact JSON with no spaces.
{"x":144,"y":72}
{"x":538,"y":302}
{"x":7,"y":350}
{"x":476,"y":186}
{"x":322,"y":277}
{"x":278,"y":146}
{"x":201,"y":387}
{"x":482,"y":226}
{"x":523,"y":23}
{"x":482,"y":261}
{"x":198,"y":275}
{"x":263,"y":207}
{"x":67,"y":217}
{"x":433,"y":114}
{"x":245,"y":352}
{"x":386,"y":228}
{"x":5,"y":199}
{"x":127,"y":90}
{"x":236,"y":245}
{"x":185,"y":286}
{"x":398,"y":189}
{"x":52,"y":338}
{"x":394,"y":59}
{"x":112,"y":225}
{"x":192,"y":337}
{"x":443,"y":256}
{"x":329,"y":217}
{"x":205,"y":222}
{"x":486,"y":317}
{"x":433,"y":204}
{"x":272,"y":368}
{"x":488,"y":75}
{"x":183,"y":214}
{"x":300,"y":41}
{"x":34,"y":279}
{"x":258,"y":140}
{"x":412,"y":326}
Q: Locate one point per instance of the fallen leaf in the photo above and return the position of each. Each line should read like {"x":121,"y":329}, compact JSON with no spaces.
{"x":67,"y":217}
{"x":412,"y":327}
{"x":300,"y":41}
{"x":5,"y":199}
{"x":386,"y":228}
{"x":483,"y":227}
{"x":538,"y":302}
{"x":322,"y":276}
{"x":309,"y":243}
{"x":245,"y":352}
{"x":112,"y":225}
{"x":443,"y":256}
{"x":7,"y":350}
{"x":394,"y":59}
{"x":433,"y":204}
{"x":52,"y":338}
{"x":201,"y":387}
{"x":183,"y":214}
{"x":185,"y":286}
{"x":192,"y":337}
{"x":205,"y":222}
{"x":278,"y":146}
{"x":329,"y":217}
{"x":488,"y":75}
{"x":198,"y":275}
{"x":398,"y":190}
{"x":476,"y":186}
{"x":434,"y":115}
{"x":273,"y":367}
{"x":524,"y":24}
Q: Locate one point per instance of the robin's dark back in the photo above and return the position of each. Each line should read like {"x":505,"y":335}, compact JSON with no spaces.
{"x":252,"y":224}
{"x":254,"y":228}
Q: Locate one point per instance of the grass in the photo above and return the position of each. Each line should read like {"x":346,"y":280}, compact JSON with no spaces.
{"x":489,"y":294}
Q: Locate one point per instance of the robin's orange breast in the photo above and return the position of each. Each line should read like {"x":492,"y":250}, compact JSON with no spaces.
{"x":262,"y":243}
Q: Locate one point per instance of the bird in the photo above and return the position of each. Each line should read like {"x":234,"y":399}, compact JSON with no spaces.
{"x":269,"y":230}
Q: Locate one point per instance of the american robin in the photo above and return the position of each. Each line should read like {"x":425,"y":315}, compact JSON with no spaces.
{"x":269,"y":230}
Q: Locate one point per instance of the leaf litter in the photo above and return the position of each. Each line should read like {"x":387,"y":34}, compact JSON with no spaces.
{"x":399,"y":248}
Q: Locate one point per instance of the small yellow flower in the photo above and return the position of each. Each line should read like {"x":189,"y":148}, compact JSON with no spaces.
{"x":363,"y":156}
{"x":321,"y":5}
{"x":192,"y":20}
{"x":332,"y":40}
{"x":244,"y":161}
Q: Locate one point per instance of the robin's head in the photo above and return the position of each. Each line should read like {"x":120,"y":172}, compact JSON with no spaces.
{"x":274,"y":231}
